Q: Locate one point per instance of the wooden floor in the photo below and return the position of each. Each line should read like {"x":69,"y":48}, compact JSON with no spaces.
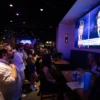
{"x":32,"y":95}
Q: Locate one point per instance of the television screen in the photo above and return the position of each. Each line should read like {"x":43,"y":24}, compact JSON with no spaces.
{"x":26,"y":41}
{"x":88,"y":30}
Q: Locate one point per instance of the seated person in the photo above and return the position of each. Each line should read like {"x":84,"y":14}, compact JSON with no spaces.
{"x":91,"y":61}
{"x":96,"y":68}
{"x":46,"y":66}
{"x":47,"y":81}
{"x":95,"y":91}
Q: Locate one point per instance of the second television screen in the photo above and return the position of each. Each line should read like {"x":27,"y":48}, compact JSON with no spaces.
{"x":88,"y":30}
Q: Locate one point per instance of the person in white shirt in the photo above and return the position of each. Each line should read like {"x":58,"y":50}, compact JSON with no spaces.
{"x":80,"y":30}
{"x":80,"y":34}
{"x":10,"y":83}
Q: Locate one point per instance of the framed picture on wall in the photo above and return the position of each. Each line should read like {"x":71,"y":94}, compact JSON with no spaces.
{"x":66,"y":38}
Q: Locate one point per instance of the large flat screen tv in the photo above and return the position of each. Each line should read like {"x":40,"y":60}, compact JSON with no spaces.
{"x":26,"y":41}
{"x":87,"y":33}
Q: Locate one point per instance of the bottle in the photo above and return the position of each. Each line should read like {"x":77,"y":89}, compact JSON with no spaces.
{"x":75,"y":76}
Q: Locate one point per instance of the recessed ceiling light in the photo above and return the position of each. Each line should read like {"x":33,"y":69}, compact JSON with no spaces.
{"x":11,"y":21}
{"x":11,"y":5}
{"x":17,"y":14}
{"x":24,"y":22}
{"x":41,"y":9}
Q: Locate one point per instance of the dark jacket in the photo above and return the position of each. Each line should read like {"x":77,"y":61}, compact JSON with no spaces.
{"x":95,"y":92}
{"x":94,"y":34}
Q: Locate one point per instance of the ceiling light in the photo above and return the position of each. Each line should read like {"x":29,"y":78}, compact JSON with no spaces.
{"x":11,"y":21}
{"x":4,"y":38}
{"x":47,"y":42}
{"x":11,"y":5}
{"x":41,"y":9}
{"x":23,"y":22}
{"x":17,"y":14}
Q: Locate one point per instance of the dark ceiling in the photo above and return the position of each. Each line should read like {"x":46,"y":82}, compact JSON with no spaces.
{"x":42,"y":24}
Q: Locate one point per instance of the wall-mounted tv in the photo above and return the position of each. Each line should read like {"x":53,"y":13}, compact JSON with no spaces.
{"x":87,"y":33}
{"x":26,"y":41}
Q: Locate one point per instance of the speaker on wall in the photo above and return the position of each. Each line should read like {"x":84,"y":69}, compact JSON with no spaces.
{"x":66,"y":38}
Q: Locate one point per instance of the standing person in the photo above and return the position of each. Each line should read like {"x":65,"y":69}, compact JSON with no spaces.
{"x":32,"y":71}
{"x":10,"y":83}
{"x":18,"y":61}
{"x":24,"y":56}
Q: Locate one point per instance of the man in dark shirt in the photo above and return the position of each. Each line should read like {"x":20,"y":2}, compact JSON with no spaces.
{"x":96,"y":31}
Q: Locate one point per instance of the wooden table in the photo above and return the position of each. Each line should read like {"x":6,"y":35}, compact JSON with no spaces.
{"x":80,"y":91}
{"x":68,"y":74}
{"x":61,"y":61}
{"x":61,"y":64}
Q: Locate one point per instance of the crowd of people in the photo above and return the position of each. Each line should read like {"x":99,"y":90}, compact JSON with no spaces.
{"x":16,"y":65}
{"x":24,"y":62}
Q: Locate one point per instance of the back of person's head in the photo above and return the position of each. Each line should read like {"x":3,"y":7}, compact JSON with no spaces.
{"x":46,"y":60}
{"x":90,"y":56}
{"x":59,"y":55}
{"x":45,"y":51}
{"x":3,"y":52}
{"x":29,"y":52}
{"x":17,"y":47}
